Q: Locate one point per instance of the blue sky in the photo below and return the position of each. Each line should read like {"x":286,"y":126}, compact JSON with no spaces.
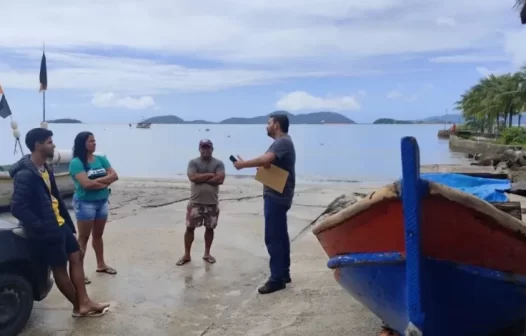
{"x":118,"y":61}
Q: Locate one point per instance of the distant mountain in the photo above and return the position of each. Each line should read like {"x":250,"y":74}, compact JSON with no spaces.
{"x":166,"y":119}
{"x":307,"y":118}
{"x":446,"y":118}
{"x":64,"y":121}
{"x":199,"y":122}
{"x":388,"y":121}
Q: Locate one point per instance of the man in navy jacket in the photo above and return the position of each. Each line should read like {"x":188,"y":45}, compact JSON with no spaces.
{"x":37,"y":204}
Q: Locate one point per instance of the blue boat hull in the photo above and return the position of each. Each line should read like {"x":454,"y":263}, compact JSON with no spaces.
{"x":458,"y":300}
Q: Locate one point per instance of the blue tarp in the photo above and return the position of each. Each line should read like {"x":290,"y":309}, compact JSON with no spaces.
{"x":488,"y":189}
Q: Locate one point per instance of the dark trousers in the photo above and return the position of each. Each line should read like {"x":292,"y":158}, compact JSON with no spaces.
{"x":277,"y":238}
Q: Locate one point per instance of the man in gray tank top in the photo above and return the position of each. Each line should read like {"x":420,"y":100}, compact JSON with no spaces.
{"x":205,"y":173}
{"x":276,"y":205}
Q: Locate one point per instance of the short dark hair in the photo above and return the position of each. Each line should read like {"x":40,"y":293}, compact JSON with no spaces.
{"x":282,"y":120}
{"x":35,"y":135}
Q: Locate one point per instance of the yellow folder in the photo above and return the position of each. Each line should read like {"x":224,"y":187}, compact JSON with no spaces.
{"x":273,"y":177}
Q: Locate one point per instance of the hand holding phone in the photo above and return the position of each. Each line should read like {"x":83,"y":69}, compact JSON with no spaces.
{"x":233,"y":159}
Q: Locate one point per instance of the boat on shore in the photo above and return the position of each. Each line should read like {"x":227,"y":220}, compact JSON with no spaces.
{"x":60,"y":165}
{"x":429,"y":259}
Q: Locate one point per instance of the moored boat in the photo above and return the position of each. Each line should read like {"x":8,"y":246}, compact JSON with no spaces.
{"x":60,"y":164}
{"x":429,"y":259}
{"x":144,"y":125}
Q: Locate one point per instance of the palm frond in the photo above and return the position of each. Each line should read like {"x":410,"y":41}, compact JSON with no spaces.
{"x":518,"y":5}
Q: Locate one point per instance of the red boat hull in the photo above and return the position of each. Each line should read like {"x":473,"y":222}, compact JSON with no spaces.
{"x":450,"y":231}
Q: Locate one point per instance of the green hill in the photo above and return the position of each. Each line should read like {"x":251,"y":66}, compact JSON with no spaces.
{"x":307,"y":118}
{"x":64,"y":121}
{"x":389,"y":121}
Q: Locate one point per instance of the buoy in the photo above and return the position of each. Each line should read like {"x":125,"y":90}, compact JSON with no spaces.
{"x":14,"y":127}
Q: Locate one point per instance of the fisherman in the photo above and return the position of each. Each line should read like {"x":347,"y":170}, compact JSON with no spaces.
{"x":37,"y":204}
{"x":276,"y":205}
{"x":206,"y":174}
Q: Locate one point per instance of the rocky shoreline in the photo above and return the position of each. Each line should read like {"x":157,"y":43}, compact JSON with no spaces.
{"x":512,"y":161}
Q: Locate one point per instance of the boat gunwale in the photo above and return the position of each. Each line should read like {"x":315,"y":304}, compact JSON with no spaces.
{"x":394,"y":191}
{"x":386,"y":258}
{"x":4,"y":176}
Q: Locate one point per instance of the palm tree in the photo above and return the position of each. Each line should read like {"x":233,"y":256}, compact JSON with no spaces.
{"x":494,"y":101}
{"x":518,"y":5}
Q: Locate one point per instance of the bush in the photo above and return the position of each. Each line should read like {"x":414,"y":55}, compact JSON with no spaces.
{"x":512,"y":136}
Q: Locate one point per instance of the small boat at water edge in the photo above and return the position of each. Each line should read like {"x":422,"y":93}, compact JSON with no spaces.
{"x":64,"y":183}
{"x":429,"y":259}
{"x":145,"y":125}
{"x":60,"y":164}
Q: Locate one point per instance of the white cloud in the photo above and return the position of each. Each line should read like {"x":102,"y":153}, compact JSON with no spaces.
{"x":248,"y":42}
{"x":468,"y":58}
{"x":446,"y":21}
{"x":109,"y":99}
{"x":394,"y":94}
{"x":399,"y":94}
{"x":485,"y":72}
{"x":140,"y":76}
{"x":515,"y":46}
{"x":362,"y":93}
{"x":302,"y":101}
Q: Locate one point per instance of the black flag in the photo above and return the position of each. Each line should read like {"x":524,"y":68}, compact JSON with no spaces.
{"x":43,"y":74}
{"x":5,"y":111}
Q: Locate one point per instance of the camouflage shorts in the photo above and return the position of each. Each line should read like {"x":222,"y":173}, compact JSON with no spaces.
{"x":202,"y":215}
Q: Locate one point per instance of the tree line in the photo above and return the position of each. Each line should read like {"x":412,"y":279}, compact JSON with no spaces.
{"x":490,"y":105}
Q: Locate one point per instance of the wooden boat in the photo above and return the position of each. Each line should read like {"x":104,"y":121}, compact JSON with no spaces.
{"x":144,"y":125}
{"x":60,"y":163}
{"x":428,"y":259}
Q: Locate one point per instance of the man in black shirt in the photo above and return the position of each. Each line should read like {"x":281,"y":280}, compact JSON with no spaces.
{"x":276,"y":205}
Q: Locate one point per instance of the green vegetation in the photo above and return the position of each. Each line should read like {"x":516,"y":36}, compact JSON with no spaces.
{"x":65,"y":121}
{"x":512,"y":136}
{"x":521,"y":4}
{"x":393,"y":121}
{"x":495,"y":103}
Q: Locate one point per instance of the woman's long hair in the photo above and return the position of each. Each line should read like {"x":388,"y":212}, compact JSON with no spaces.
{"x":79,"y":147}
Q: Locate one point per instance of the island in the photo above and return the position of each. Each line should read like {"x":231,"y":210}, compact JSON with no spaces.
{"x":443,"y":119}
{"x":64,"y":121}
{"x":388,"y":121}
{"x":306,"y":118}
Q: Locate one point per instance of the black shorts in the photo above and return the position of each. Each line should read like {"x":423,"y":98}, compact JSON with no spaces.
{"x":56,"y":253}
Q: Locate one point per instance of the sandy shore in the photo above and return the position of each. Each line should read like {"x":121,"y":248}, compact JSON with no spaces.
{"x":131,"y":196}
{"x":152,"y":296}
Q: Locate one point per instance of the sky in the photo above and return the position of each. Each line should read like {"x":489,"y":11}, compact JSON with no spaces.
{"x":119,"y":61}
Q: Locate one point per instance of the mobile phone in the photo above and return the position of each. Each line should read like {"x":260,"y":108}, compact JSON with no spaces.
{"x":232,"y":158}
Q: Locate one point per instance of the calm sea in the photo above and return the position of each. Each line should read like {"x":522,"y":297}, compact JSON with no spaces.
{"x":324,"y":152}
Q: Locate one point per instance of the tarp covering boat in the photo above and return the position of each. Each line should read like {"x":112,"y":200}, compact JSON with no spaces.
{"x":488,"y":189}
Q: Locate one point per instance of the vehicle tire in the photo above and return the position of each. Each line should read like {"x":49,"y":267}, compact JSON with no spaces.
{"x":16,"y":303}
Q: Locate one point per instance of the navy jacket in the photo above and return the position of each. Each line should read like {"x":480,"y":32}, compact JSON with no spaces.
{"x":31,"y":203}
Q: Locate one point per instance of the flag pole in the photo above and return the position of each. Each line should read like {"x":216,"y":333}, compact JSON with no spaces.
{"x":44,"y":91}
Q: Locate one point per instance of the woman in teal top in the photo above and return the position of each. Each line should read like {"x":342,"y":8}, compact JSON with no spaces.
{"x":91,"y":174}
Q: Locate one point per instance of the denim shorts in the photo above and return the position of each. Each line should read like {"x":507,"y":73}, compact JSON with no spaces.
{"x":90,"y":210}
